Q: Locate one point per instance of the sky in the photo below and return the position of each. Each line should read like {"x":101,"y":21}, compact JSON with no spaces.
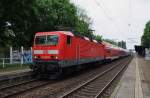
{"x":118,"y":19}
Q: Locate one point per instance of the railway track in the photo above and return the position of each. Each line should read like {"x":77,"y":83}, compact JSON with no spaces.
{"x":11,"y":85}
{"x":62,"y":88}
{"x":12,"y":90}
{"x":8,"y":79}
{"x":94,"y":87}
{"x":90,"y":88}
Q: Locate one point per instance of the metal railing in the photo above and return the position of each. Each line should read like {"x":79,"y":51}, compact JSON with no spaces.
{"x":12,"y":55}
{"x":6,"y":61}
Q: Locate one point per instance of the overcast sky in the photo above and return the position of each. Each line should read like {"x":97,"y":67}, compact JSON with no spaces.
{"x":118,"y":19}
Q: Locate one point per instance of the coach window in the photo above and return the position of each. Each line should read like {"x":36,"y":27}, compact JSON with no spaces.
{"x":108,"y":51}
{"x":68,"y":40}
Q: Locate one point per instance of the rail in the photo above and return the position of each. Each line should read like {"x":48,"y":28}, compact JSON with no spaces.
{"x":69,"y":93}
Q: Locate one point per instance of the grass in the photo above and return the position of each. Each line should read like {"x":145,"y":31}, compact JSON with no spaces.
{"x":13,"y":67}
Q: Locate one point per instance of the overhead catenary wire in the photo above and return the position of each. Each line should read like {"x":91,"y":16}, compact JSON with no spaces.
{"x":132,"y":39}
{"x":104,"y":10}
{"x":130,"y":14}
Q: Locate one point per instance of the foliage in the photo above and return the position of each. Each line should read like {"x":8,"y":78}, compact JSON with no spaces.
{"x":20,"y":19}
{"x":145,"y":40}
{"x":18,"y":16}
{"x":83,"y":24}
{"x":98,"y":38}
{"x":111,"y":41}
{"x":122,"y":44}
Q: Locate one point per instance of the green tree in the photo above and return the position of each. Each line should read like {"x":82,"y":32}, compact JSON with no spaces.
{"x":122,"y":44}
{"x":83,"y":24}
{"x":111,"y":42}
{"x":145,"y":40}
{"x":29,"y":16}
{"x":98,"y":38}
{"x":20,"y":15}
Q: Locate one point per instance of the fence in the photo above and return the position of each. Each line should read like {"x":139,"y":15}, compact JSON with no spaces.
{"x":15,"y":56}
{"x":147,"y":54}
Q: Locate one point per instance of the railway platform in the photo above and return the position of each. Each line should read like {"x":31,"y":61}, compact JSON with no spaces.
{"x":135,"y":82}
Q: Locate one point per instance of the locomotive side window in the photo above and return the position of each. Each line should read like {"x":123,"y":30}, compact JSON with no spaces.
{"x":68,"y":40}
{"x":52,"y":39}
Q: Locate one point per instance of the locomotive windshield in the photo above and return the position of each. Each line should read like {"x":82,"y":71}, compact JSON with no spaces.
{"x":46,"y":40}
{"x":40,"y":40}
{"x":52,"y":39}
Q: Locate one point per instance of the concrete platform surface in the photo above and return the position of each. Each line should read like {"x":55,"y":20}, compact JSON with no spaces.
{"x":135,"y":82}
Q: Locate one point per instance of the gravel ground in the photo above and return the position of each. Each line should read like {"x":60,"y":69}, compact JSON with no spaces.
{"x":107,"y":93}
{"x":59,"y":87}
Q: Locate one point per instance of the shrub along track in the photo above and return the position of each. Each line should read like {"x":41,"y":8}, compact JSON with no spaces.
{"x":89,"y":83}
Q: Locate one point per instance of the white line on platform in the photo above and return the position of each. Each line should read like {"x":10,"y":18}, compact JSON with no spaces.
{"x":138,"y":86}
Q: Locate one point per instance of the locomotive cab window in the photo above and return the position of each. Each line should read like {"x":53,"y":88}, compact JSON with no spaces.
{"x":68,"y":40}
{"x":46,"y":40}
{"x":40,"y":40}
{"x":52,"y":39}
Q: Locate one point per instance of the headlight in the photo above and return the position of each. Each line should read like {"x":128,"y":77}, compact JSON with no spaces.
{"x":35,"y":57}
{"x":56,"y":57}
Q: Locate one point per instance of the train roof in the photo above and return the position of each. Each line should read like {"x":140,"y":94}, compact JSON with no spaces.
{"x":111,"y":46}
{"x":66,"y":33}
{"x":52,"y":32}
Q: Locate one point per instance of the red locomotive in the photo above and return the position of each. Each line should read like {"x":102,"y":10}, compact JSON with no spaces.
{"x":58,"y":50}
